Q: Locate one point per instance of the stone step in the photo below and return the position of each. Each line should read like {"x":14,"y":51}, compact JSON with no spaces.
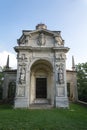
{"x":41,"y":101}
{"x":40,"y":106}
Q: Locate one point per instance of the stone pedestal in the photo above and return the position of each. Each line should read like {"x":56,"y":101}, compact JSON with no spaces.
{"x":21,"y":102}
{"x":62,"y":102}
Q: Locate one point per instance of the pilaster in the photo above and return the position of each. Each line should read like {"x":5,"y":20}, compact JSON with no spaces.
{"x":61,"y":99}
{"x":22,"y":83}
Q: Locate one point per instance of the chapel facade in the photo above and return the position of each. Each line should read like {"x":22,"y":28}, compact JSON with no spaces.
{"x":41,"y":69}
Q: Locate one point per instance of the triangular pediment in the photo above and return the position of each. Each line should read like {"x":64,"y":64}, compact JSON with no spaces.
{"x":40,"y":36}
{"x":45,"y":31}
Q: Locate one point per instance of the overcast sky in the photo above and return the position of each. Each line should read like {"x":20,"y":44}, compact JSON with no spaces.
{"x":67,"y":16}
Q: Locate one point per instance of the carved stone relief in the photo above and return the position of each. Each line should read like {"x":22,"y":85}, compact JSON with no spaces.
{"x":22,"y":75}
{"x":22,"y":58}
{"x":60,"y":73}
{"x":59,"y":41}
{"x":41,"y":39}
{"x":60,"y":56}
{"x":24,"y":41}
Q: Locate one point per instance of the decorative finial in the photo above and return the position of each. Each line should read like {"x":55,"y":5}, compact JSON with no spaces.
{"x":7,"y":64}
{"x":41,"y":26}
{"x":73,"y":64}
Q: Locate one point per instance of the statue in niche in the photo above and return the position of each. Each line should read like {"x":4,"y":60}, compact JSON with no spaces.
{"x":22,"y":75}
{"x":60,"y":74}
{"x":41,"y":39}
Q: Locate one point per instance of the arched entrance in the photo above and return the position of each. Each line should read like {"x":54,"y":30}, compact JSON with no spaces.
{"x":11,"y":91}
{"x":41,"y":82}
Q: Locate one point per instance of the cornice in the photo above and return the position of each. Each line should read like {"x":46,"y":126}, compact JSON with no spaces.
{"x":29,"y":48}
{"x":62,"y":48}
{"x":26,"y":48}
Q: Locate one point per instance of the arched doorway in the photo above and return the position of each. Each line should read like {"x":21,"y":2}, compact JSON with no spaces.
{"x":41,"y":82}
{"x":11,"y":91}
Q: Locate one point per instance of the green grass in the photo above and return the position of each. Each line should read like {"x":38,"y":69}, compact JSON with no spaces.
{"x":74,"y":118}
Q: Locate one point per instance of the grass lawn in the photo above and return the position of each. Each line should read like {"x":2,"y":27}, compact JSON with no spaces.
{"x":74,"y":118}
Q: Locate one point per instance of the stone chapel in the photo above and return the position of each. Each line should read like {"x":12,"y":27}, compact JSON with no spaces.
{"x":41,"y":76}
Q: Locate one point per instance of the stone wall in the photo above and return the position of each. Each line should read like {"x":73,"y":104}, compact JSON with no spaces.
{"x":71,"y":77}
{"x":9,"y":76}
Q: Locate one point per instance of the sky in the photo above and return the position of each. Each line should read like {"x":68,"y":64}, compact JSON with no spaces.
{"x":67,"y":16}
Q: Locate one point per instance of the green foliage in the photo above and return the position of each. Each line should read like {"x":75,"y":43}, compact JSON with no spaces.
{"x":82,"y":81}
{"x":1,"y":81}
{"x":74,"y":118}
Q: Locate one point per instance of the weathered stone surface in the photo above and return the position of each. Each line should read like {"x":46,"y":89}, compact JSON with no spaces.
{"x":41,"y":55}
{"x":41,"y":76}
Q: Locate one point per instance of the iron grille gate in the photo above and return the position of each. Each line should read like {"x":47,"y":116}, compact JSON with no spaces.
{"x":41,"y":87}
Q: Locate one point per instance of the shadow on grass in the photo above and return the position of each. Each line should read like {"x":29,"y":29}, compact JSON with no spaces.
{"x":6,"y":106}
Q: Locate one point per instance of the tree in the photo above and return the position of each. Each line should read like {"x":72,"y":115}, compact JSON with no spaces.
{"x":2,"y":69}
{"x":82,"y":81}
{"x":1,"y":81}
